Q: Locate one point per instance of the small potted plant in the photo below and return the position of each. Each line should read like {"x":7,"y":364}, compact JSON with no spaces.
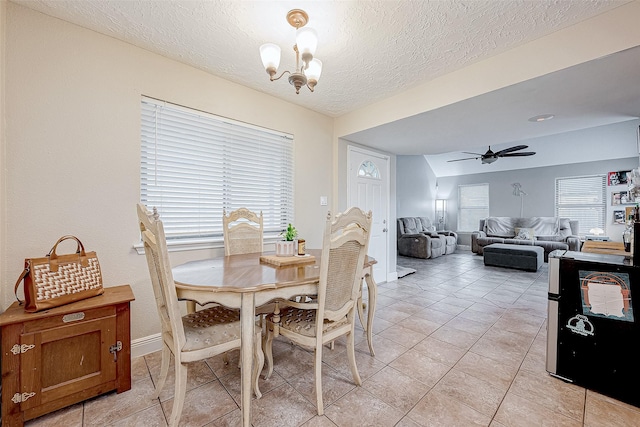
{"x":287,"y":246}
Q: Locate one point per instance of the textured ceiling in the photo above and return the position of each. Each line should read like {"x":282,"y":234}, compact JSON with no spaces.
{"x":595,"y":93}
{"x":370,"y":49}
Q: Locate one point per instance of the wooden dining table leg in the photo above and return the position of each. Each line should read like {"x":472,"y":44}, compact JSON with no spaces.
{"x":372,"y":289}
{"x":247,"y":331}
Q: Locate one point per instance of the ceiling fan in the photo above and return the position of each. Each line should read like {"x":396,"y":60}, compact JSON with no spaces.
{"x":490,"y":156}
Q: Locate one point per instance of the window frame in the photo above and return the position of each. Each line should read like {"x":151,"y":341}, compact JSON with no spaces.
{"x":485,"y":209}
{"x":602,"y":206}
{"x":224,"y":174}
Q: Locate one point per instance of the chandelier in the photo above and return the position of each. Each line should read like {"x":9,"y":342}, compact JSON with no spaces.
{"x":305,"y":74}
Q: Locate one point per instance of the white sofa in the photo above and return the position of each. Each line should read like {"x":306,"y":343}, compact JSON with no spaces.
{"x":550,"y":233}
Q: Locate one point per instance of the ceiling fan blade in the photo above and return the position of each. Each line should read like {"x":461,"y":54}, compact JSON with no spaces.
{"x":510,"y":149}
{"x":475,"y":154}
{"x":526,"y":153}
{"x":468,"y":158}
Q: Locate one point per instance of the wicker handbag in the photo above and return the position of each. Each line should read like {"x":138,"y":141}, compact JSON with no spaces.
{"x":56,"y":280}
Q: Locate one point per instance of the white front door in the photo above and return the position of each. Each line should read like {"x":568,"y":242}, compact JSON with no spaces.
{"x":368,"y":189}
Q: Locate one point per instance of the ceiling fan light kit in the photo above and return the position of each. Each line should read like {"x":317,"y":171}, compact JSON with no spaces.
{"x":490,"y":157}
{"x":305,"y":74}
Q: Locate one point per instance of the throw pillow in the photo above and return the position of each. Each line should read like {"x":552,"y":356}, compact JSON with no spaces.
{"x":524,"y":233}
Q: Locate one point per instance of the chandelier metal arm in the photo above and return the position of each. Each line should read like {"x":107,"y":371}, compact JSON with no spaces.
{"x":273,"y":79}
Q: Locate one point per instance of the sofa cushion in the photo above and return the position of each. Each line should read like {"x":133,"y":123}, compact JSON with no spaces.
{"x":552,"y":246}
{"x":553,"y":238}
{"x":516,"y":241}
{"x":485,"y":241}
{"x":425,"y":223}
{"x":524,"y":233}
{"x":411,"y":226}
{"x":542,"y":225}
{"x":564,"y":228}
{"x":496,"y":226}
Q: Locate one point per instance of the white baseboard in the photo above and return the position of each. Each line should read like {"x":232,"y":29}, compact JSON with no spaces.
{"x":146,"y":345}
{"x":464,"y":247}
{"x":392,"y":276}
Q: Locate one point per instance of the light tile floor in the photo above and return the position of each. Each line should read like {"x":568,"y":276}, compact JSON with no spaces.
{"x":457,"y":344}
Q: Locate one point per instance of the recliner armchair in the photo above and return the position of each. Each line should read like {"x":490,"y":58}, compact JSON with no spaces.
{"x":418,"y":238}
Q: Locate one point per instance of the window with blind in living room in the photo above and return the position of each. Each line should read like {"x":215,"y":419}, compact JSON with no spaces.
{"x":473,"y":205}
{"x":195,"y":164}
{"x":582,"y":198}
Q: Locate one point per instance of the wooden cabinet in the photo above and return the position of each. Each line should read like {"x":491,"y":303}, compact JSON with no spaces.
{"x":65,"y":355}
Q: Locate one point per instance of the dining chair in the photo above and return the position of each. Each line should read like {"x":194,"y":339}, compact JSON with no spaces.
{"x":195,"y":336}
{"x":242,"y":231}
{"x":332,"y":315}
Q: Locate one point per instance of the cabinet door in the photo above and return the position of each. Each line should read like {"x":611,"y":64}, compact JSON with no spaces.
{"x":67,"y":359}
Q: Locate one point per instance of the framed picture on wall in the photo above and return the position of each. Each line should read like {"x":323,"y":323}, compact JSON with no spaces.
{"x":618,"y":178}
{"x":618,"y":217}
{"x":628,"y":211}
{"x":622,"y":198}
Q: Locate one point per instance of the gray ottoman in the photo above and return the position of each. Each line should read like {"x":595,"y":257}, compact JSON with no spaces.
{"x":528,"y":258}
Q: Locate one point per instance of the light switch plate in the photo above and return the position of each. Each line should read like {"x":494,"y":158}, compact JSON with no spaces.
{"x":323,"y":200}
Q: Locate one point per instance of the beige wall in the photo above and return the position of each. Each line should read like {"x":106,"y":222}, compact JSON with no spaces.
{"x":3,"y":157}
{"x":73,"y":141}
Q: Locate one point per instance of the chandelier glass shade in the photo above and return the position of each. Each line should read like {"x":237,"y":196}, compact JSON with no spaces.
{"x":270,"y":54}
{"x":308,"y":69}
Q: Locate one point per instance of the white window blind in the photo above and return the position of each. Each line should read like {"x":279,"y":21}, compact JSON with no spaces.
{"x":473,"y":205}
{"x":582,"y":198}
{"x":195,"y":164}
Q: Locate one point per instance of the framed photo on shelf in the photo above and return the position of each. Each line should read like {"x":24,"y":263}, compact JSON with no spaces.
{"x":622,"y":198}
{"x":618,"y":217}
{"x":628,"y":211}
{"x":618,"y":178}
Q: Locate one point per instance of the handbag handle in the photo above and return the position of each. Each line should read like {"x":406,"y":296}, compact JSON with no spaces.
{"x":24,"y":274}
{"x":79,"y":249}
{"x":53,"y":256}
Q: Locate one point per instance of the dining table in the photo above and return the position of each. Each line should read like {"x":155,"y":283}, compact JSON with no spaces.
{"x":245,"y":282}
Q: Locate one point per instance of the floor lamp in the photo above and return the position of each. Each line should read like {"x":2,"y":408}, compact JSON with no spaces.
{"x":441,"y":212}
{"x":517,"y":191}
